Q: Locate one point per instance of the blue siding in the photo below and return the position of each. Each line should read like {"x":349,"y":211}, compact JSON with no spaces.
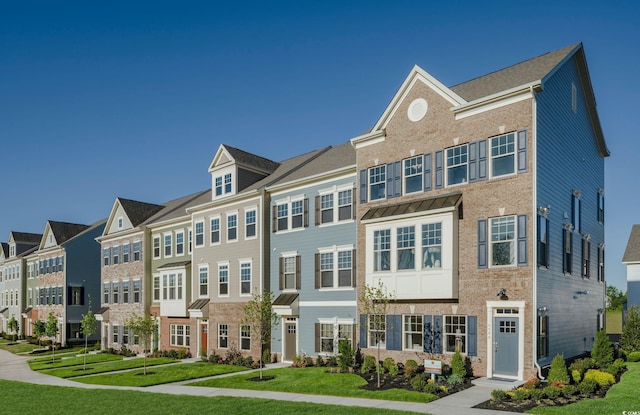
{"x":633,"y":293}
{"x":568,"y":159}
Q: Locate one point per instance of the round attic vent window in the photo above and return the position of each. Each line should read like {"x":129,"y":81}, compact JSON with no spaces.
{"x":417,"y":109}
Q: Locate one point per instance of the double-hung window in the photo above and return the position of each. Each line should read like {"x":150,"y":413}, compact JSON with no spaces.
{"x":172,"y":286}
{"x":136,"y":251}
{"x":106,"y":255}
{"x":136,"y":291}
{"x":377,"y":330}
{"x":345,"y":268}
{"x":457,"y":163}
{"x":180,"y":335}
{"x":543,"y":336}
{"x":345,"y":204}
{"x":377,"y":182}
{"x":576,"y":211}
{"x":199,"y":233}
{"x":326,"y":338}
{"x":503,"y":249}
{"x":106,"y":291}
{"x":432,"y":245}
{"x":326,"y":269}
{"x":382,"y":250}
{"x":297,"y":214}
{"x":125,"y":292}
{"x":455,"y":333}
{"x":156,"y":288}
{"x":245,"y":278}
{"x":406,"y":242}
{"x":543,"y":241}
{"x":245,"y":337}
{"x":204,"y":281}
{"x":326,"y":208}
{"x":223,"y":279}
{"x":289,"y":272}
{"x":125,"y":253}
{"x":413,"y":336}
{"x":586,"y":258}
{"x":215,"y":230}
{"x":223,"y":336}
{"x":282,"y":216}
{"x":601,"y":206}
{"x":227,"y":183}
{"x":250,"y":223}
{"x":503,"y":159}
{"x":115,"y":292}
{"x":601,"y":263}
{"x":116,"y":255}
{"x":232,"y":227}
{"x":413,"y":174}
{"x":218,"y":185}
{"x":179,"y":243}
{"x":567,"y":249}
{"x":156,"y":247}
{"x":167,"y":245}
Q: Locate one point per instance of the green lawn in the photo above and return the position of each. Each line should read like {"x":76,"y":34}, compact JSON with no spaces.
{"x":621,"y":397}
{"x":107,"y":366}
{"x":614,"y":321}
{"x":22,"y":398}
{"x":16,"y":348}
{"x":70,"y":360}
{"x":316,"y":381}
{"x":160,"y":375}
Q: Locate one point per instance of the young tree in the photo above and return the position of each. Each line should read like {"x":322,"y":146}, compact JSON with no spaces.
{"x":374,"y":302}
{"x":630,"y":339}
{"x":51,"y":330}
{"x":602,"y":351}
{"x":259,"y":315}
{"x":143,"y":327}
{"x":12,"y":325}
{"x":88,"y":329}
{"x":39,"y":330}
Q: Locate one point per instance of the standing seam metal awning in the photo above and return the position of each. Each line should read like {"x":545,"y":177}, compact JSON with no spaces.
{"x":415,"y":206}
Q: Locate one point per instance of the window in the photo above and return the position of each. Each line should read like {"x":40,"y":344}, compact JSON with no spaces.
{"x":156,"y":288}
{"x":60,"y":263}
{"x":167,"y":245}
{"x":282,"y":217}
{"x":382,"y":250}
{"x":297,"y":214}
{"x":503,"y":159}
{"x":179,"y":243}
{"x":156,"y":247}
{"x":455,"y":333}
{"x":106,"y":290}
{"x":136,"y":291}
{"x":125,"y":336}
{"x":190,"y":242}
{"x":586,"y":258}
{"x":289,"y":273}
{"x":601,"y":263}
{"x":345,"y":270}
{"x":432,"y":245}
{"x":180,"y":335}
{"x":413,"y":333}
{"x":326,"y":208}
{"x":116,"y":332}
{"x":345,"y":204}
{"x":204,"y":281}
{"x":115,"y":292}
{"x":245,"y":278}
{"x":125,"y":292}
{"x":215,"y":230}
{"x":576,"y":211}
{"x":601,"y":206}
{"x":227,"y":183}
{"x":106,"y":254}
{"x":543,"y":241}
{"x":223,"y":279}
{"x":116,"y":255}
{"x":457,"y":158}
{"x":326,"y":269}
{"x":413,"y":174}
{"x":125,"y":253}
{"x":503,"y":241}
{"x":245,"y":337}
{"x":232,"y":227}
{"x":218,"y":186}
{"x":377,"y":330}
{"x":199,"y":233}
{"x":567,"y":258}
{"x":250,"y":223}
{"x":543,"y":336}
{"x":120,"y":222}
{"x":223,"y":336}
{"x":290,"y":215}
{"x":60,"y":290}
{"x":406,"y":247}
{"x":377,"y":182}
{"x":326,"y":338}
{"x":172,"y":287}
{"x":136,"y":251}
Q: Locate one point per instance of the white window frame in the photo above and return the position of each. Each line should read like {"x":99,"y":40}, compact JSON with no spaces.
{"x":231,"y":226}
{"x":285,"y":213}
{"x":137,"y":257}
{"x":505,"y":145}
{"x":180,"y":335}
{"x":179,"y":237}
{"x":334,"y":253}
{"x":498,"y":224}
{"x":248,"y":224}
{"x":332,"y":330}
{"x":289,"y":257}
{"x":455,"y":160}
{"x":197,"y":234}
{"x":223,"y":266}
{"x":157,"y":288}
{"x":214,"y":229}
{"x":412,"y":327}
{"x":167,"y":244}
{"x":374,"y":327}
{"x":244,"y":265}
{"x":137,"y":291}
{"x":223,"y":333}
{"x":156,"y":247}
{"x":412,"y":167}
{"x":126,"y":252}
{"x":203,"y":270}
{"x":380,"y":173}
{"x":190,"y":240}
{"x":245,"y":335}
{"x":451,"y":323}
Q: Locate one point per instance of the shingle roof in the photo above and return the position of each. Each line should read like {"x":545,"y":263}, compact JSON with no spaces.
{"x":519,"y":74}
{"x":632,"y":253}
{"x":138,"y":212}
{"x":27,"y":238}
{"x":64,"y":231}
{"x":244,"y":157}
{"x":5,"y":248}
{"x":176,"y":208}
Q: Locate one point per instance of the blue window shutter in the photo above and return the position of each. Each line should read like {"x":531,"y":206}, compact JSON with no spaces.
{"x":427,"y":333}
{"x":363,"y":186}
{"x":363,"y":331}
{"x":437,"y":334}
{"x":390,"y":176}
{"x":397,"y":179}
{"x":394,"y":332}
{"x":472,"y":336}
{"x":482,"y":243}
{"x":522,"y":151}
{"x":522,"y":240}
{"x":473,"y":162}
{"x":427,"y":171}
{"x":439,"y":170}
{"x":482,"y":160}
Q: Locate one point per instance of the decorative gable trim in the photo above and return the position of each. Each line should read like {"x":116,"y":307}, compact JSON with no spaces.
{"x":221,"y":159}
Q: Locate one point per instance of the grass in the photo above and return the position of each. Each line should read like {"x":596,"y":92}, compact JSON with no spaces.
{"x":17,"y":348}
{"x":316,"y":381}
{"x":614,"y":321}
{"x":160,"y":375}
{"x":622,"y":397}
{"x":56,"y":400}
{"x":70,"y":360}
{"x":106,"y":366}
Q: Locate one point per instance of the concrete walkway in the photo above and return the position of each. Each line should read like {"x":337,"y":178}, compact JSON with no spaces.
{"x":13,"y":367}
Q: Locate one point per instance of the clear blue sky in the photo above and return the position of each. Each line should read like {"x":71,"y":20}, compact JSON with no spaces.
{"x":131,"y":99}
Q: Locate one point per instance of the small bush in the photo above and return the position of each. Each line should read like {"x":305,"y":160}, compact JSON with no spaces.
{"x":368,"y":364}
{"x":633,"y":357}
{"x":531,"y":383}
{"x":320,"y":361}
{"x":579,"y":367}
{"x":214,"y":358}
{"x":498,"y":395}
{"x":520,"y":394}
{"x":332,"y":361}
{"x":587,"y":386}
{"x":393,"y":370}
{"x":457,"y":365}
{"x":552,"y":391}
{"x":569,"y":390}
{"x":618,"y":366}
{"x":455,"y":379}
{"x":308,"y":361}
{"x":418,"y":382}
{"x":410,"y":367}
{"x":432,"y":388}
{"x":387,"y":363}
{"x":536,"y":393}
{"x":558,"y":370}
{"x":602,"y":351}
{"x":600,"y":377}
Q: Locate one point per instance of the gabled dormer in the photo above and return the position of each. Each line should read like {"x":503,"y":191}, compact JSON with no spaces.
{"x":4,"y":252}
{"x":56,"y":233}
{"x":128,"y":214}
{"x":232,"y":170}
{"x":20,"y":242}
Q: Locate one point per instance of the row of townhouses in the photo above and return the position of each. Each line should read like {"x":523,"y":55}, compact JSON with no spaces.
{"x":480,"y":208}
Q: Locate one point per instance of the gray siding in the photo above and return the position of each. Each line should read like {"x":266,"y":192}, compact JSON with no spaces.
{"x":568,"y":159}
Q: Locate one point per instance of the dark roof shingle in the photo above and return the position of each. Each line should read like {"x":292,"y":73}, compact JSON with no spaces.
{"x":632,"y":252}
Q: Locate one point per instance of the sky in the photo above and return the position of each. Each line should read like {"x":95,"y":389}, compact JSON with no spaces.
{"x":131,"y":99}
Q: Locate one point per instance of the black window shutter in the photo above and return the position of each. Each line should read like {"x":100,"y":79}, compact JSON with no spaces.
{"x":363,"y":186}
{"x":427,"y":172}
{"x":274,"y":221}
{"x":482,"y":243}
{"x":317,"y":268}
{"x":397,"y":179}
{"x":317,"y":331}
{"x":390,"y":177}
{"x":439,"y":169}
{"x":522,"y":151}
{"x":522,"y":240}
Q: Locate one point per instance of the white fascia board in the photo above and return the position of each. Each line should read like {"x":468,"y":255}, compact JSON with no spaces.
{"x":214,"y":204}
{"x":500,"y":99}
{"x":368,"y":139}
{"x":343,"y":172}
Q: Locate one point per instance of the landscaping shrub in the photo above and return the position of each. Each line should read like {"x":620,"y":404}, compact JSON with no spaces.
{"x":600,"y":377}
{"x":418,"y":382}
{"x":602,"y":351}
{"x":531,"y":383}
{"x":552,"y":391}
{"x":368,"y":364}
{"x":346,"y":355}
{"x":320,"y":361}
{"x":579,"y":367}
{"x":308,"y":361}
{"x":358,"y":357}
{"x":393,"y":370}
{"x":630,"y":338}
{"x":387,"y":363}
{"x":536,"y":393}
{"x":410,"y":367}
{"x":457,"y":365}
{"x":569,"y":390}
{"x":332,"y":361}
{"x":499,"y":395}
{"x":587,"y":386}
{"x":432,"y":388}
{"x":455,"y":379}
{"x":617,"y":367}
{"x":558,"y":370}
{"x":214,"y":358}
{"x":633,"y":357}
{"x":520,"y":394}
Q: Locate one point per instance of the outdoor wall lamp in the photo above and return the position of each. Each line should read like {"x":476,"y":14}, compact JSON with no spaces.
{"x":503,"y":294}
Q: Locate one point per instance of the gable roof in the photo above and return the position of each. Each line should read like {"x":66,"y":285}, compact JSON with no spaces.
{"x":632,"y":252}
{"x":138,"y":212}
{"x":176,"y":208}
{"x":243,"y":158}
{"x":5,"y":249}
{"x":63,"y":231}
{"x":25,"y":238}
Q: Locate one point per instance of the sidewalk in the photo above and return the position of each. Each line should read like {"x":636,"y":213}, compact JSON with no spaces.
{"x":13,"y":367}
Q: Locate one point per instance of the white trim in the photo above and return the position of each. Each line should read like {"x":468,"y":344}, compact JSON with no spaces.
{"x":368,"y":139}
{"x":328,"y":303}
{"x":494,"y":101}
{"x":491,"y":307}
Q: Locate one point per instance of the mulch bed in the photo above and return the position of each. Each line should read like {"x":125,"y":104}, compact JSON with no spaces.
{"x":403,"y":382}
{"x":526,"y":404}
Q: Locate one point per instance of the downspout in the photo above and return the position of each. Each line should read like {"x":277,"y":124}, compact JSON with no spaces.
{"x":534,"y":149}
